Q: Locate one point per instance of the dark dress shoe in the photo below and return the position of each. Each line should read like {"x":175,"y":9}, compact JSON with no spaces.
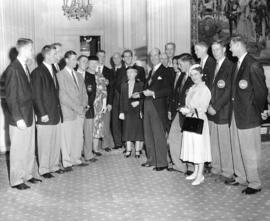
{"x":98,"y":154}
{"x":60,"y":171}
{"x":47,"y":175}
{"x":188,"y":173}
{"x":159,"y":168}
{"x":250,"y":190}
{"x":21,"y":186}
{"x":68,"y":169}
{"x":231,"y":182}
{"x":83,"y":165}
{"x":107,"y":149}
{"x":172,"y":169}
{"x":146,"y":165}
{"x":117,"y":147}
{"x":93,"y":160}
{"x":34,"y":180}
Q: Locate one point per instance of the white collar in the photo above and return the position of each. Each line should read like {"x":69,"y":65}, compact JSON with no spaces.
{"x":220,"y":62}
{"x":204,"y":61}
{"x":22,"y":61}
{"x":156,"y":67}
{"x":240,"y":60}
{"x":49,"y":66}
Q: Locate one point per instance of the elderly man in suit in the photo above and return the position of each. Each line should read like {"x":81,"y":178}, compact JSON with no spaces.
{"x":157,"y":90}
{"x":248,"y":97}
{"x":90,"y":84}
{"x":48,"y":112}
{"x":108,"y":142}
{"x":21,"y":120}
{"x":73,"y":99}
{"x":207,"y":63}
{"x":219,"y":112}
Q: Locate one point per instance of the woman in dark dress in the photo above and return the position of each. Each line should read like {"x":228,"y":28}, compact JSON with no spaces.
{"x":130,"y":113}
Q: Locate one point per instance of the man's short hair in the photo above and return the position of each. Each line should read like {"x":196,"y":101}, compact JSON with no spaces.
{"x":127,"y":51}
{"x":170,"y":43}
{"x":82,"y":56}
{"x":93,"y":58}
{"x":221,"y":42}
{"x":21,"y":42}
{"x":46,"y":49}
{"x":69,"y":53}
{"x":101,"y":51}
{"x":187,"y":58}
{"x":239,"y":38}
{"x":57,"y":44}
{"x":202,"y":44}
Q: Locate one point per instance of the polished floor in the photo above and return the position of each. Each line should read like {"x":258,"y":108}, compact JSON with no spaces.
{"x":115,"y":188}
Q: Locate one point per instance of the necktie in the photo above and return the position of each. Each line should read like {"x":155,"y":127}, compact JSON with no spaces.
{"x":216,"y":71}
{"x":74,"y":78}
{"x":99,"y":70}
{"x":237,"y":69}
{"x":151,"y":77}
{"x":176,"y":79}
{"x":27,"y":72}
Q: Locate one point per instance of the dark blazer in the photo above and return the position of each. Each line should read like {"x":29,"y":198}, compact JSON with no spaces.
{"x":120,"y":76}
{"x":209,"y":70}
{"x":175,"y":95}
{"x":108,"y":74}
{"x":249,"y":94}
{"x":162,"y":89}
{"x":91,"y":88}
{"x":125,"y":101}
{"x":45,"y":95}
{"x":221,"y":91}
{"x":18,"y":94}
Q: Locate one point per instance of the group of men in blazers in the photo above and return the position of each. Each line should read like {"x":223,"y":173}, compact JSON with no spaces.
{"x":62,"y":100}
{"x":239,"y":95}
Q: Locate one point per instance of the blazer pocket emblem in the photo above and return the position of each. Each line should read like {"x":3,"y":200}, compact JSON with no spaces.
{"x":221,"y":84}
{"x":89,"y":88}
{"x":159,"y":78}
{"x":243,"y":84}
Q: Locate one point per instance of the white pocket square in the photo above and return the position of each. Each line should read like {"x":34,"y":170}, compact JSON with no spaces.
{"x":159,"y":78}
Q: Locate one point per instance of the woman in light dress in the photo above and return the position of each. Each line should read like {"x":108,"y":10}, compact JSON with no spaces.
{"x":196,"y":147}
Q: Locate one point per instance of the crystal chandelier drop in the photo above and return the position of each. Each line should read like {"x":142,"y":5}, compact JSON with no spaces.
{"x":77,"y":9}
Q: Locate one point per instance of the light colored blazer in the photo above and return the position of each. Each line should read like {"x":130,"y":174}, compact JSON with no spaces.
{"x":73,"y":100}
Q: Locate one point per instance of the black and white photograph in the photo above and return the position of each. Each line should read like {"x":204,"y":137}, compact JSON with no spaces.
{"x":134,"y":110}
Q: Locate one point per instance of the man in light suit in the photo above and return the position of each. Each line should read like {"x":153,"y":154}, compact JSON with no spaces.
{"x":48,"y":112}
{"x":248,"y":98}
{"x":21,"y":120}
{"x":218,"y":111}
{"x":157,"y":91}
{"x":73,"y":99}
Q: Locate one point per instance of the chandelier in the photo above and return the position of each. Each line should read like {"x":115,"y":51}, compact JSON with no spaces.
{"x":77,"y":9}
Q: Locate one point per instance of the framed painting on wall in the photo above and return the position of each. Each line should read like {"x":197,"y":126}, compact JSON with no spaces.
{"x":211,"y":19}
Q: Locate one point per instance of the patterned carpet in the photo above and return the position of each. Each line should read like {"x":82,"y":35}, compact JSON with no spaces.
{"x":116,"y":188}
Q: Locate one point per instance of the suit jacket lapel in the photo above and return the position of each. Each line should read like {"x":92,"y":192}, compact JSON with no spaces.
{"x":24,"y":74}
{"x":155,"y":76}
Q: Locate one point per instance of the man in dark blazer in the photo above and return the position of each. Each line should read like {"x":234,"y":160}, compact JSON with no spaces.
{"x":119,"y":78}
{"x":48,"y":112}
{"x":248,"y":97}
{"x":184,"y":82}
{"x":218,"y":111}
{"x":21,"y":120}
{"x":157,"y":90}
{"x":107,"y":143}
{"x":90,"y":84}
{"x":207,"y":63}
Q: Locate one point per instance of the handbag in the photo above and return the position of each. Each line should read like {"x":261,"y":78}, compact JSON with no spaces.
{"x":192,"y":124}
